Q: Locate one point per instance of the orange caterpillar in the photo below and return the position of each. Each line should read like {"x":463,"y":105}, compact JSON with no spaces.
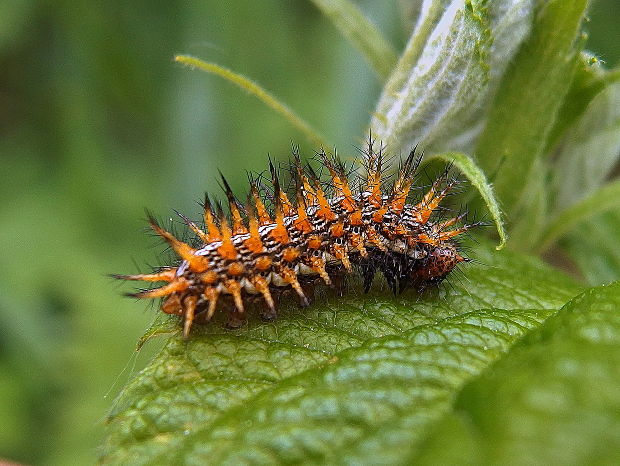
{"x":316,"y":239}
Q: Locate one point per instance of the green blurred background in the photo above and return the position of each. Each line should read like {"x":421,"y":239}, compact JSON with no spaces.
{"x":97,"y":123}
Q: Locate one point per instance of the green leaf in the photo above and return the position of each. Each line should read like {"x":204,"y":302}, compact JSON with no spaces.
{"x":553,"y":399}
{"x":594,"y":248}
{"x":589,"y":80}
{"x":258,"y":92}
{"x":526,"y":231}
{"x":477,"y":179}
{"x":586,"y":158}
{"x":438,"y":94}
{"x":606,"y":198}
{"x":589,"y":151}
{"x":352,"y":379}
{"x":362,"y":33}
{"x":532,"y":91}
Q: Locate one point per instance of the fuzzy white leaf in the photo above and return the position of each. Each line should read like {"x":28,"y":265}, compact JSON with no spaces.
{"x":453,"y":63}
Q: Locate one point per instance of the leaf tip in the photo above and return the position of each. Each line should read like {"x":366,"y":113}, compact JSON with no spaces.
{"x":184,"y":59}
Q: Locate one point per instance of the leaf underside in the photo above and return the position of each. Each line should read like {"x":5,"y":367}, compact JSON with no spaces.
{"x":346,"y":380}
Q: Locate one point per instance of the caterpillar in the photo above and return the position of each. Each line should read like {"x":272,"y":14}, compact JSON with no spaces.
{"x":328,"y":232}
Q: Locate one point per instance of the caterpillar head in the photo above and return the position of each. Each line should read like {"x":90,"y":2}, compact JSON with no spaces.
{"x":438,"y":263}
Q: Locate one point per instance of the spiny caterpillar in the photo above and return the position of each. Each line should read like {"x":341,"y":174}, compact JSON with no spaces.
{"x":320,"y":238}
